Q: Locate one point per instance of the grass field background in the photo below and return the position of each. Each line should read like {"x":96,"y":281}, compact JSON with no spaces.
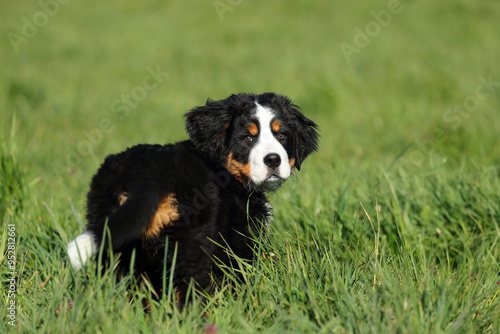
{"x":392,"y":227}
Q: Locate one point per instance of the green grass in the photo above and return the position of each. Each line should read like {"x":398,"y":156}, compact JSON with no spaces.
{"x":392,"y":227}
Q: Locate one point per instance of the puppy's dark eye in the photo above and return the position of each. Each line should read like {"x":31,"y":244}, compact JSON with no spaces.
{"x":281,"y":136}
{"x":248,"y":139}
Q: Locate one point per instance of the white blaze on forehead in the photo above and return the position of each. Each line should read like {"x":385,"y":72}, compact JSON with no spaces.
{"x":267,"y":144}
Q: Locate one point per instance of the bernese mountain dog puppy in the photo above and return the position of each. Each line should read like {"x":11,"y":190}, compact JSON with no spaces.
{"x":203,"y":196}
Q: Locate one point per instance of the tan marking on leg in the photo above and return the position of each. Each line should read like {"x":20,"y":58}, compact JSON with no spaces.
{"x":166,"y":214}
{"x":122,"y":198}
{"x":178,"y":296}
{"x":276,"y":125}
{"x":240,"y":171}
{"x":253,"y":129}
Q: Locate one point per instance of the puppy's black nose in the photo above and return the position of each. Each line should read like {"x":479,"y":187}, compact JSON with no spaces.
{"x":272,"y":160}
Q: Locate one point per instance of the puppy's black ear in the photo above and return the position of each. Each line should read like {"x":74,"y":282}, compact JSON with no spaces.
{"x":208,"y":127}
{"x":306,"y":135}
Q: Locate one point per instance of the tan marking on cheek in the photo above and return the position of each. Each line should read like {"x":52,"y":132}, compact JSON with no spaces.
{"x":291,"y":162}
{"x":122,"y":198}
{"x":240,"y":171}
{"x":226,"y":126}
{"x":166,"y":214}
{"x":253,"y":129}
{"x":276,"y":125}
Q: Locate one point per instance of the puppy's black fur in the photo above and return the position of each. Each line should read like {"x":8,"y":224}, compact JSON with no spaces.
{"x":198,"y":193}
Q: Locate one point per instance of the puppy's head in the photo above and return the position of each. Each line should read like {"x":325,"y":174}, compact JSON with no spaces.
{"x":260,"y":139}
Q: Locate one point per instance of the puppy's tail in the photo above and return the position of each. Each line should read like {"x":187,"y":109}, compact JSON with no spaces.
{"x":81,"y":249}
{"x":127,"y":224}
